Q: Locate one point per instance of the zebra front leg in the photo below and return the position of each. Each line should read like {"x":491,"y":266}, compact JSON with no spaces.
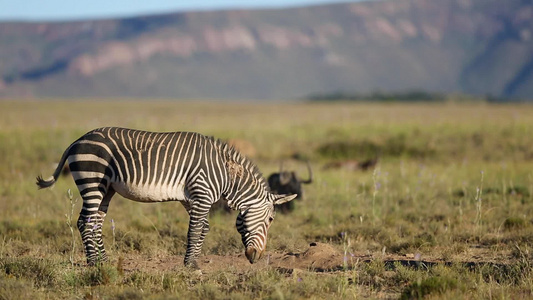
{"x":91,"y":235}
{"x":200,"y":242}
{"x":198,"y":229}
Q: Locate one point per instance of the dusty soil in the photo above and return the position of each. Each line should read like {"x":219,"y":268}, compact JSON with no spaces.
{"x":319,"y":257}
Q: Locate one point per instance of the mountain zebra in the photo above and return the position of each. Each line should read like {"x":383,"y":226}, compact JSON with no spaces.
{"x":175,"y":166}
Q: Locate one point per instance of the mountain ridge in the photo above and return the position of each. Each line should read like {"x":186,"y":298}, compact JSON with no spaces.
{"x":467,"y":46}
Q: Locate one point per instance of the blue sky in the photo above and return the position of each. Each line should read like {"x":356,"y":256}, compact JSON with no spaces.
{"x":82,"y":9}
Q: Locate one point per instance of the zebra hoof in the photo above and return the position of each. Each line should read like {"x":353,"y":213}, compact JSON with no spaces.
{"x":92,"y":263}
{"x":197,"y":272}
{"x":96,"y":262}
{"x":192,"y":265}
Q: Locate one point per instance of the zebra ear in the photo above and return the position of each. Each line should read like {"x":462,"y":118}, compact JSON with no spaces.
{"x":280,"y":199}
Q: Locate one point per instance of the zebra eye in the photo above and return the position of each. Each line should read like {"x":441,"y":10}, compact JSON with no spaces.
{"x":270,"y":219}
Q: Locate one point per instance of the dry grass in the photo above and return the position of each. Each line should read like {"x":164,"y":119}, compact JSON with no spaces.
{"x":427,"y":197}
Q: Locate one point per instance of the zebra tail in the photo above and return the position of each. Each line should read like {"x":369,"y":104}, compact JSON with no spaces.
{"x":42,"y":184}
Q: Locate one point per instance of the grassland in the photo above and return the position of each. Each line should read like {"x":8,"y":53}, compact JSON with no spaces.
{"x":447,"y":212}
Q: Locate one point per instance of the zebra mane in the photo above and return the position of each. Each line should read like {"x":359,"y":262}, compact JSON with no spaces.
{"x":232,"y":155}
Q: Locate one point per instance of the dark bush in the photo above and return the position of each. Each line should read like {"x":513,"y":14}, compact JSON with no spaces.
{"x":431,"y":285}
{"x":393,"y":147}
{"x":514,"y":223}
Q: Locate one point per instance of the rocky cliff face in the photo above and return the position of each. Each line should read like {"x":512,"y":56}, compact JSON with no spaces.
{"x":471,"y":46}
{"x":211,"y":40}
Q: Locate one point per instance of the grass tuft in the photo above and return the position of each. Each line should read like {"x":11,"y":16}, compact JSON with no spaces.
{"x":40,"y":272}
{"x":100,"y":274}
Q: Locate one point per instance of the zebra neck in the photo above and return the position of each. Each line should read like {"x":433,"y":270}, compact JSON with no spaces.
{"x":244,"y":192}
{"x":244,"y":203}
{"x":245,"y":185}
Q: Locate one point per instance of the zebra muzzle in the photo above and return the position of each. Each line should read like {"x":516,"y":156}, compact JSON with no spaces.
{"x":253,"y":255}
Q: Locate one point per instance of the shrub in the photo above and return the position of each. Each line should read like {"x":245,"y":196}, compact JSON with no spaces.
{"x":431,"y":285}
{"x":394,"y":146}
{"x":514,"y":223}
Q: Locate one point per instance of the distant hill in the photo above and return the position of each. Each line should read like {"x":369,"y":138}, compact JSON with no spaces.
{"x":482,"y":47}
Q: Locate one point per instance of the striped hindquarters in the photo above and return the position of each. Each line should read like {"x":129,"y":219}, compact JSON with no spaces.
{"x":147,"y":166}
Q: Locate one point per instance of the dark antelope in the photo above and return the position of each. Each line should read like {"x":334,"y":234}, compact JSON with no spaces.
{"x":288,"y":182}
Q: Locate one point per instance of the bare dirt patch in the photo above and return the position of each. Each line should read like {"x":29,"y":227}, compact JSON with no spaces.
{"x":319,"y":257}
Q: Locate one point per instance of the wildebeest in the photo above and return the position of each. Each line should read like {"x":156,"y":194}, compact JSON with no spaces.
{"x":288,"y":182}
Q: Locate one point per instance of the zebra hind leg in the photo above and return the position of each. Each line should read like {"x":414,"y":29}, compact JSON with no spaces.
{"x":91,"y":235}
{"x":90,"y":224}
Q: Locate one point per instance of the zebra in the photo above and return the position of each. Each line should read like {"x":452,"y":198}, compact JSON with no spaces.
{"x":188,"y":167}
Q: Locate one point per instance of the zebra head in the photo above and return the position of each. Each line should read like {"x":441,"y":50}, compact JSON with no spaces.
{"x":253,"y":223}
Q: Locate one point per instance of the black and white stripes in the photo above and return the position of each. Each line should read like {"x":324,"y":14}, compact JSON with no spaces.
{"x":155,"y":167}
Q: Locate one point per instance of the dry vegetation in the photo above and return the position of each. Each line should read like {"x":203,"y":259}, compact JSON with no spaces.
{"x":447,"y":213}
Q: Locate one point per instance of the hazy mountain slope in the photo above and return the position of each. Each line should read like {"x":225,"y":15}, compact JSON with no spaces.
{"x":471,"y":46}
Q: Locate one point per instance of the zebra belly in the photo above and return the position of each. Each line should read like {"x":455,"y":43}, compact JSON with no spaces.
{"x":150,"y":192}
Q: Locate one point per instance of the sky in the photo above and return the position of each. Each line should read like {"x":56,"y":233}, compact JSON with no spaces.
{"x":57,"y":10}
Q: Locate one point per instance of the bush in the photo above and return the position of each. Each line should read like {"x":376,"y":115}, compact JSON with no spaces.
{"x":431,"y":285}
{"x":395,"y":146}
{"x":514,"y":223}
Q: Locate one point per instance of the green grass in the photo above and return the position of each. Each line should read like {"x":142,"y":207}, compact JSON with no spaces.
{"x":427,"y":196}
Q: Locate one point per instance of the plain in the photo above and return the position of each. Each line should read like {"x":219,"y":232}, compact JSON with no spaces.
{"x":445,"y":213}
